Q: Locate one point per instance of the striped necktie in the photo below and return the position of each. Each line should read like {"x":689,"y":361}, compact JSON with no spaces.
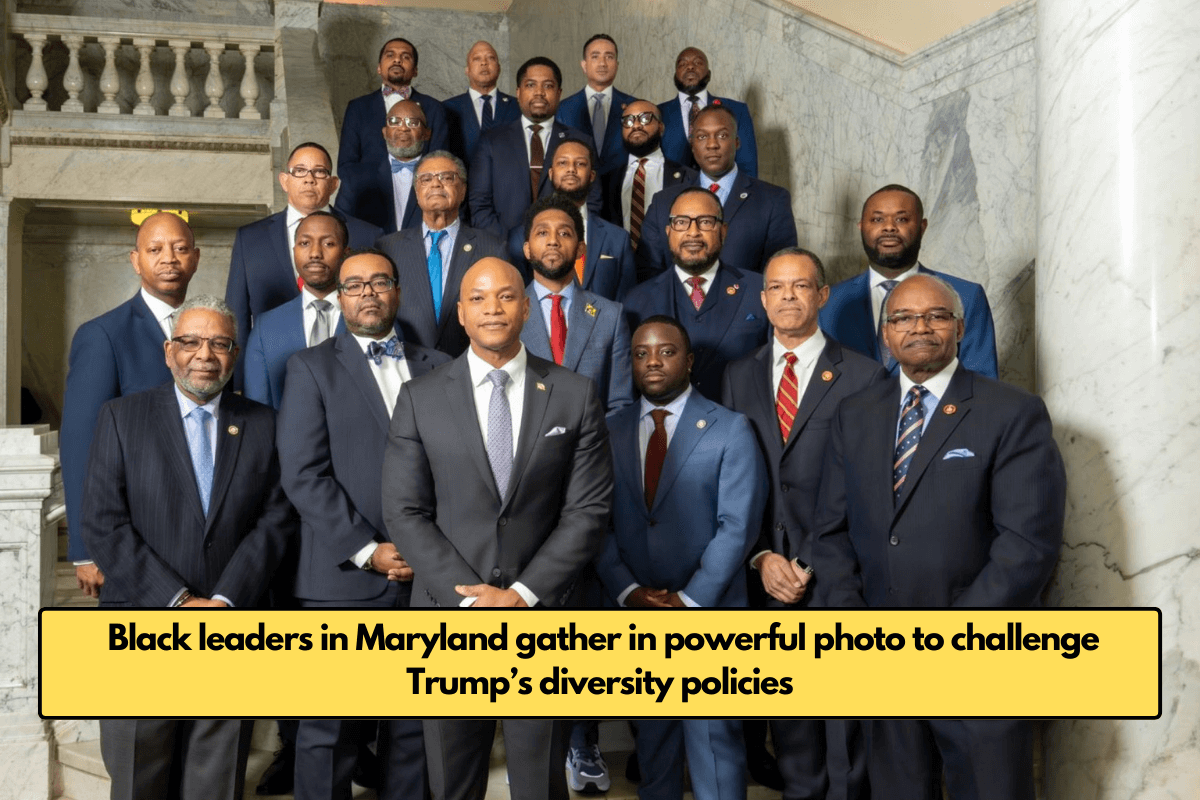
{"x":912,"y":422}
{"x":637,"y":204}
{"x":787,"y":399}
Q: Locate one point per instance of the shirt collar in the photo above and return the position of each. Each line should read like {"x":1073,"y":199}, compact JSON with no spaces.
{"x":725,"y":181}
{"x":187,"y":405}
{"x":365,"y":341}
{"x":702,"y":94}
{"x":709,"y":275}
{"x":806,"y":353}
{"x":157,"y":307}
{"x":294,"y":216}
{"x":309,"y":297}
{"x":543,"y":291}
{"x":480,"y":368}
{"x":675,"y":407}
{"x":527,"y":123}
{"x":393,"y":160}
{"x":936,"y":385}
{"x":451,"y":229}
{"x":607,"y":91}
{"x":877,"y":278}
{"x":656,"y":157}
{"x":494,"y":94}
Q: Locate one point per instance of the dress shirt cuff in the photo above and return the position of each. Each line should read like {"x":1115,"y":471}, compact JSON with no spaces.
{"x":529,"y":597}
{"x":625,"y":594}
{"x":467,"y":602}
{"x":175,"y":597}
{"x":754,"y":559}
{"x":361,"y":558}
{"x":687,"y":601}
{"x":84,"y":563}
{"x":224,"y":600}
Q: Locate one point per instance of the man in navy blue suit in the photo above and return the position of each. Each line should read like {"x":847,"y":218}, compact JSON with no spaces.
{"x":119,"y":353}
{"x":759,"y":214}
{"x":380,"y":190}
{"x":892,"y":225}
{"x":480,"y":108}
{"x":719,"y":305}
{"x":942,"y":489}
{"x":689,"y":488}
{"x":509,"y":170}
{"x":332,"y":433}
{"x":691,"y":80}
{"x":398,"y":61}
{"x":262,"y":273}
{"x":598,"y":107}
{"x":604,"y":264}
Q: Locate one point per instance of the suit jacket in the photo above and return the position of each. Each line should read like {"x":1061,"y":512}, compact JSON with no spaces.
{"x":575,"y":112}
{"x":609,"y":268}
{"x":706,"y":513}
{"x":849,"y":318}
{"x":279,"y":333}
{"x":676,"y":147}
{"x":980,"y":530}
{"x":759,"y":216}
{"x":367,"y":192}
{"x":117,"y":353}
{"x":463,"y":125}
{"x":415,"y":316}
{"x":730,"y":323}
{"x":332,"y":433}
{"x":597,"y":343}
{"x":362,"y":126}
{"x":441,"y":504}
{"x":674,"y":174}
{"x":499,"y":193}
{"x":794,"y":466}
{"x":142,"y":518}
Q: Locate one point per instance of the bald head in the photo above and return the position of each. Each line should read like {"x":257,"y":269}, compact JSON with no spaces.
{"x":492,"y":308}
{"x":164,"y":221}
{"x":165,"y":257}
{"x":483,"y":67}
{"x":405,"y":142}
{"x":642,"y":138}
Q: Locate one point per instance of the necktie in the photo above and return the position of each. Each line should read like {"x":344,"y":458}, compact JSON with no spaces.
{"x":537,"y":154}
{"x":656,"y":453}
{"x":637,"y":204}
{"x":499,"y":433}
{"x":787,"y":399}
{"x":200,"y":446}
{"x":434,"y":262}
{"x":392,"y":348}
{"x":693,"y":109}
{"x":320,"y":326}
{"x":697,"y":294}
{"x":885,"y":354}
{"x":912,"y":418}
{"x":411,"y":166}
{"x":599,"y":120}
{"x":558,"y":329}
{"x":488,"y":117}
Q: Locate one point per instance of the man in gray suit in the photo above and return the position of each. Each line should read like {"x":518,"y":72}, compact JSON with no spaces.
{"x":497,"y":491}
{"x":433,"y":257}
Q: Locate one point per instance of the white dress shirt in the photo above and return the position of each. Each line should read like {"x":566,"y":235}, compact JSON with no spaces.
{"x":935,"y":387}
{"x":655,"y":167}
{"x":878,"y":292}
{"x":293,"y":222}
{"x":709,"y":276}
{"x":402,"y":183}
{"x":310,"y":313}
{"x":543,"y":134}
{"x":161,"y":311}
{"x":685,"y":108}
{"x":477,"y":104}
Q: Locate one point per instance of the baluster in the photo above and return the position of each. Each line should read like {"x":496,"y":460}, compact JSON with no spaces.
{"x":214,"y":87}
{"x":73,"y":77}
{"x":144,"y":86}
{"x":36,"y":80}
{"x":249,"y":83}
{"x":180,"y":85}
{"x":110,"y":81}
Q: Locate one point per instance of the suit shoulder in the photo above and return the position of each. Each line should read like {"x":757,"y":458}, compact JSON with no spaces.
{"x":435,"y":357}
{"x":137,"y":405}
{"x":259,"y":226}
{"x":113,"y":321}
{"x":731,"y":104}
{"x":993,"y":390}
{"x":649,"y":294}
{"x":247,"y":407}
{"x":276,"y":316}
{"x":361,"y":102}
{"x":857,"y":364}
{"x":745,"y":364}
{"x":961,"y":285}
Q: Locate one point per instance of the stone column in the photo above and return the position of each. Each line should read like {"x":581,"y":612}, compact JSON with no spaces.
{"x":1118,"y":327}
{"x":12,"y":228}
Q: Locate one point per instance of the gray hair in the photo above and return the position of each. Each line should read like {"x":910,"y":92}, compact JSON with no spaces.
{"x":956,"y":301}
{"x":206,"y":301}
{"x":446,"y":154}
{"x":800,"y":251}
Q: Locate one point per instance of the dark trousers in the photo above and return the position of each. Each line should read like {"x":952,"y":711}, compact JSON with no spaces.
{"x":458,"y":752}
{"x":715,"y":754}
{"x":192,"y":759}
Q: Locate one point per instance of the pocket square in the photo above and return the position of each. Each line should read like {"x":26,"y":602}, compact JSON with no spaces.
{"x":749,"y":318}
{"x":604,"y":256}
{"x":557,"y":430}
{"x":961,"y":452}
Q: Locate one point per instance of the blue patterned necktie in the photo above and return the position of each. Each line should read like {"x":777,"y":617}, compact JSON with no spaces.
{"x":411,"y":166}
{"x":377,"y":350}
{"x":912,"y":422}
{"x":434,"y":262}
{"x":200,"y":445}
{"x":885,"y":354}
{"x":499,"y":433}
{"x":488,"y":117}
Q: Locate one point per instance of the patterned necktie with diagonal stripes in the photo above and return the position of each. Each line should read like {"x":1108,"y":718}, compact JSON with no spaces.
{"x":912,"y":422}
{"x":637,"y":204}
{"x":787,"y":399}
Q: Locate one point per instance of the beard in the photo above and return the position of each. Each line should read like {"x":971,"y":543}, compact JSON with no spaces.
{"x":697,"y":89}
{"x":902,"y":260}
{"x":645,"y":148}
{"x":556,"y":274}
{"x":575,"y":196}
{"x":697,"y":266}
{"x":405,"y":153}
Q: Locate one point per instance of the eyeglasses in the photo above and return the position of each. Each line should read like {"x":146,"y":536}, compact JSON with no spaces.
{"x":705,"y":222}
{"x":221,"y":345}
{"x":320,"y":173}
{"x":644,"y":118}
{"x":407,"y":122}
{"x":444,"y":178}
{"x":378,"y":286}
{"x":937,"y":320}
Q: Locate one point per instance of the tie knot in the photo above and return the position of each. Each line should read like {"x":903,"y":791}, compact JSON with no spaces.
{"x":498,"y":377}
{"x":696,"y":282}
{"x":658,"y":415}
{"x":320,"y":305}
{"x":790,"y":358}
{"x":200,"y":414}
{"x":642,"y":162}
{"x":535,"y":128}
{"x":915,"y":395}
{"x":392,"y":348}
{"x":888,"y":285}
{"x":556,"y":299}
{"x":694,"y":98}
{"x":487,"y":98}
{"x":436,"y":237}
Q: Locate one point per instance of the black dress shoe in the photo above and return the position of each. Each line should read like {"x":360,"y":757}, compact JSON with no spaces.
{"x":764,"y":769}
{"x":281,"y":775}
{"x":366,"y":769}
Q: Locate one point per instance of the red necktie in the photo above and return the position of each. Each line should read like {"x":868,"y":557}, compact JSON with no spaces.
{"x":697,"y":294}
{"x":788,"y":397}
{"x":637,"y":204}
{"x":558,"y":330}
{"x":716,"y":187}
{"x":656,"y":453}
{"x":537,"y":155}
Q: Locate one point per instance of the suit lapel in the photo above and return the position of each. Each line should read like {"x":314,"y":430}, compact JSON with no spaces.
{"x":410,"y":208}
{"x":594,"y":235}
{"x":958,"y":395}
{"x":688,"y":433}
{"x":879,"y":436}
{"x":296,"y":335}
{"x":817,"y":388}
{"x":418,"y":362}
{"x":383,"y":174}
{"x":537,"y":397}
{"x":461,"y":402}
{"x":352,"y":358}
{"x":579,"y":328}
{"x":460,"y":260}
{"x":557,"y":133}
{"x":179,"y":455}
{"x":623,"y":428}
{"x":417,"y":288}
{"x":762,"y":395}
{"x":861,"y":306}
{"x":721,"y":307}
{"x":737,"y":196}
{"x":147,"y":326}
{"x":282,"y":246}
{"x":534,"y":334}
{"x":228,"y":444}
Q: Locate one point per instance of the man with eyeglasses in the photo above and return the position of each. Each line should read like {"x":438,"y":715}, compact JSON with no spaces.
{"x":942,"y":489}
{"x":381,"y":191}
{"x":719,"y":305}
{"x":598,"y":107}
{"x":433,"y":256}
{"x":480,"y":108}
{"x":892,"y":226}
{"x":759,"y":214}
{"x":679,"y":114}
{"x":629,"y":189}
{"x":182,"y":508}
{"x":333,"y":426}
{"x":262,"y":273}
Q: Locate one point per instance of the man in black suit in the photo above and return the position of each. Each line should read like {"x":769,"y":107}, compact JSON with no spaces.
{"x":379,"y":189}
{"x":497,"y":490}
{"x":789,"y":389}
{"x":480,"y":108}
{"x":182,"y":508}
{"x":942,"y":489}
{"x":433,"y":257}
{"x":332,"y":431}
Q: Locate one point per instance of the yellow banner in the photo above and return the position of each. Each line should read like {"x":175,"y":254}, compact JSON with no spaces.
{"x":620,"y":664}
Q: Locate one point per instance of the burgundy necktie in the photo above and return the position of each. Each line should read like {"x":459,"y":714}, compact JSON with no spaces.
{"x":697,"y":294}
{"x":637,"y":204}
{"x":656,"y":453}
{"x":537,"y":155}
{"x":558,"y":330}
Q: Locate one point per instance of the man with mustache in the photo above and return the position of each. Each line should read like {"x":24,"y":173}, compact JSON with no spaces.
{"x":380,"y":190}
{"x":691,"y":80}
{"x":892,"y":226}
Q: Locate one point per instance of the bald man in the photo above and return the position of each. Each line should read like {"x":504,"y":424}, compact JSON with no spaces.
{"x":119,"y":353}
{"x":505,"y":518}
{"x":379,"y":189}
{"x":482,"y":107}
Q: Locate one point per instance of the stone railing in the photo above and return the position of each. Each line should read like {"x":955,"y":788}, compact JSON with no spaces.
{"x":143,"y":66}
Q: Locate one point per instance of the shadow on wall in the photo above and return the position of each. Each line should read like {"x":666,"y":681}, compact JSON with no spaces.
{"x":774,"y":158}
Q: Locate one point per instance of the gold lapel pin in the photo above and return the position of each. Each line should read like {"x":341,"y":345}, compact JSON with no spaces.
{"x":949,"y":408}
{"x":468,"y":247}
{"x":233,"y":430}
{"x":731,"y":290}
{"x":700,"y":424}
{"x":541,"y":386}
{"x":827,"y":376}
{"x":590,"y":309}
{"x":676,"y":176}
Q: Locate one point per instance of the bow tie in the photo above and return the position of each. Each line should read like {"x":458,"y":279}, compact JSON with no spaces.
{"x":377,"y":350}
{"x":388,"y":91}
{"x":411,"y":166}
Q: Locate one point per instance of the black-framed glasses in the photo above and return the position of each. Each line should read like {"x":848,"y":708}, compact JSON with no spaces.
{"x":705,"y":222}
{"x":444,"y":178}
{"x":644,"y":118}
{"x":378,"y":286}
{"x":221,"y":345}
{"x":407,"y":122}
{"x":320,"y":173}
{"x":937,"y":320}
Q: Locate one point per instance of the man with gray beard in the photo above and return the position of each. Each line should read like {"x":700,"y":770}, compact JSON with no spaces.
{"x":381,"y":191}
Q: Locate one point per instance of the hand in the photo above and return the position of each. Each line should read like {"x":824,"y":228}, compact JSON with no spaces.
{"x":780,"y":579}
{"x":490,"y":597}
{"x":386,"y":559}
{"x":673,"y":601}
{"x":404,"y":574}
{"x":645,"y":597}
{"x":203,"y":602}
{"x":90,"y":579}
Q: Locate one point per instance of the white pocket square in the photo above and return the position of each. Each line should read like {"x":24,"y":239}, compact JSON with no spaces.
{"x":557,"y":430}
{"x":604,"y":256}
{"x":961,"y":452}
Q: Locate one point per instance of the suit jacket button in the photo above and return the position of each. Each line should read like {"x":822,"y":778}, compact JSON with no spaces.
{"x":496,"y":572}
{"x":785,"y":488}
{"x":208,"y":545}
{"x":652,"y":523}
{"x":503,"y":521}
{"x":894,"y":540}
{"x":779,"y":526}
